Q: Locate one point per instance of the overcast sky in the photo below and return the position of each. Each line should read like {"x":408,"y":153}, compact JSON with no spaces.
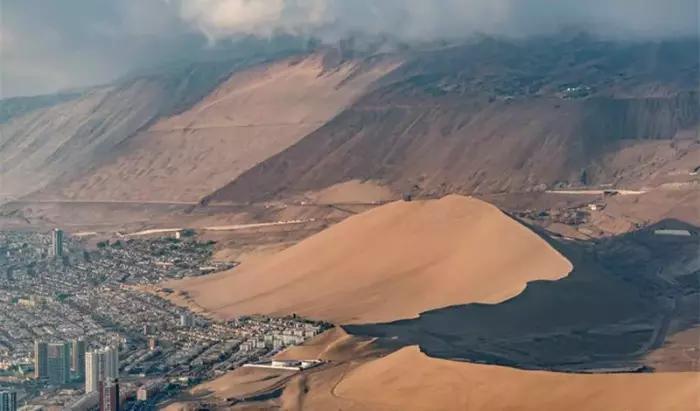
{"x":47,"y":45}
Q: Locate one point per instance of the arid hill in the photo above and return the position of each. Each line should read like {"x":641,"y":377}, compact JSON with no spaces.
{"x":177,"y":133}
{"x":48,"y":145}
{"x":392,"y":262}
{"x":254,"y":114}
{"x":502,"y":117}
{"x":481,"y":117}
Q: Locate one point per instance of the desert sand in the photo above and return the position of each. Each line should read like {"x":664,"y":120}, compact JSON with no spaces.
{"x":680,"y":349}
{"x":407,"y":379}
{"x":242,"y":381}
{"x":392,"y":262}
{"x":334,"y":345}
{"x":360,"y":376}
{"x":353,"y":191}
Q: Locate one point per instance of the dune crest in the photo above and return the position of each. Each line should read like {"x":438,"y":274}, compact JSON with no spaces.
{"x":390,"y":263}
{"x":393,"y":382}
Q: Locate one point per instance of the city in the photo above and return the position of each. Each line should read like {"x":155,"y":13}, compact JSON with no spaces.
{"x":79,"y":329}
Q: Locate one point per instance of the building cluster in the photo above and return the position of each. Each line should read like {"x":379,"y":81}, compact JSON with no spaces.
{"x":81,"y":331}
{"x":573,"y":216}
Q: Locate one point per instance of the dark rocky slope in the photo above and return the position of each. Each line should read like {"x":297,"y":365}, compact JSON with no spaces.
{"x":495,"y":116}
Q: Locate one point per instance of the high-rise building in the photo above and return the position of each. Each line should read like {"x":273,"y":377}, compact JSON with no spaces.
{"x":100,"y":365}
{"x":58,"y":363}
{"x":111,"y":363}
{"x":78,"y":359}
{"x":57,"y":243}
{"x":8,"y":400}
{"x":40,"y":364}
{"x":109,"y":395}
{"x":92,"y":371}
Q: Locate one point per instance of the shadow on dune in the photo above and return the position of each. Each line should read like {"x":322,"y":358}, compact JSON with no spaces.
{"x":625,"y":295}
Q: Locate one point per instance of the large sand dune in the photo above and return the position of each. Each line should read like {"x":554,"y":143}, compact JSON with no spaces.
{"x":409,"y":380}
{"x":360,"y":376}
{"x":391,"y":262}
{"x":362,"y":379}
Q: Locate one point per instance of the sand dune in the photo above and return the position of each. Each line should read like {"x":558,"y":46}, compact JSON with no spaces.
{"x":391,"y":262}
{"x":409,"y":380}
{"x":333,"y":345}
{"x":256,"y":113}
{"x":353,"y":191}
{"x":359,"y":376}
{"x":241,"y":382}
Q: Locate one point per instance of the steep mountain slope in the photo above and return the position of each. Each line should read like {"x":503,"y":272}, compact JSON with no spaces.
{"x":254,"y":114}
{"x":17,"y":106}
{"x":496,"y":116}
{"x":391,"y":262}
{"x":53,"y":143}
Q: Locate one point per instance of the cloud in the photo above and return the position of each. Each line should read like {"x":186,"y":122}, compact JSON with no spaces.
{"x":417,"y":20}
{"x":49,"y":45}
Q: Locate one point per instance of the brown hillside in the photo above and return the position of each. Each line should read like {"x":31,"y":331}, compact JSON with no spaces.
{"x":464,"y":146}
{"x":43,"y":144}
{"x":503,"y":117}
{"x":256,"y":113}
{"x":53,"y":143}
{"x":391,"y":262}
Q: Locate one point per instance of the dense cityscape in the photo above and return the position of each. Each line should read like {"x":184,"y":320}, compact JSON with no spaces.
{"x":79,"y":330}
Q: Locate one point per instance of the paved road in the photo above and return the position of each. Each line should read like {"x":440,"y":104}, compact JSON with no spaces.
{"x":222,"y":227}
{"x":105,"y":202}
{"x":597,"y":192}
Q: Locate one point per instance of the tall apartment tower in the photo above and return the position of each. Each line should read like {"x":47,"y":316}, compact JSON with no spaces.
{"x":111,"y":363}
{"x":185,"y":320}
{"x":77,"y":359}
{"x":100,"y":366}
{"x":57,"y":243}
{"x":8,"y":400}
{"x":92,"y":371}
{"x":109,"y":395}
{"x":40,"y":356}
{"x":58,"y":363}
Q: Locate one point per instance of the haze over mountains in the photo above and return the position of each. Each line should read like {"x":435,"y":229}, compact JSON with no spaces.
{"x":486,"y":116}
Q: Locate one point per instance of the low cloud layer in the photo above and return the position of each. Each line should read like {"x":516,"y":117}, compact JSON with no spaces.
{"x":416,"y":20}
{"x":50,"y":45}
